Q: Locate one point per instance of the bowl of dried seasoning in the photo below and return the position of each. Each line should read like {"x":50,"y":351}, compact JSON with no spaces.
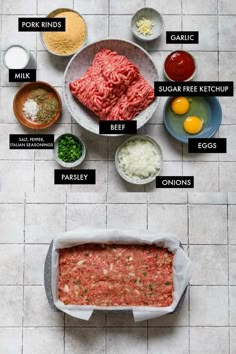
{"x":37,"y":105}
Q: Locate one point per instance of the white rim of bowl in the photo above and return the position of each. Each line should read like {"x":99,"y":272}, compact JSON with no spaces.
{"x":154,"y":37}
{"x":51,"y":15}
{"x":69,"y":164}
{"x":195,"y":63}
{"x":157,"y":98}
{"x":123,"y":175}
{"x":21,"y":46}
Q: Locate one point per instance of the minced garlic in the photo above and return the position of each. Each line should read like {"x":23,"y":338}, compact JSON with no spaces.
{"x":145,"y":26}
{"x":66,"y":43}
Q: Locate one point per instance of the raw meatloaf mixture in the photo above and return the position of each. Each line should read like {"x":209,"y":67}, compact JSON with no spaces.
{"x":116,"y":275}
{"x":113,"y":87}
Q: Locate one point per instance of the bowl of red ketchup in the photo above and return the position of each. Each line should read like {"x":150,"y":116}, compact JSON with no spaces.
{"x":180,"y":66}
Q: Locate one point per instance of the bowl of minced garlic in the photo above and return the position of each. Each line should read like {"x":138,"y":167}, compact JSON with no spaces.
{"x":147,"y":24}
{"x":72,"y":39}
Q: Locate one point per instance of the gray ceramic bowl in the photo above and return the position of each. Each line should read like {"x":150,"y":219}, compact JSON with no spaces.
{"x":136,"y":180}
{"x":69,"y":164}
{"x":149,"y":14}
{"x":84,"y":58}
{"x":52,"y":14}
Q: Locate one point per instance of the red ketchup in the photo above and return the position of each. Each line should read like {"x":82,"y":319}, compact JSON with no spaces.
{"x":179,"y":66}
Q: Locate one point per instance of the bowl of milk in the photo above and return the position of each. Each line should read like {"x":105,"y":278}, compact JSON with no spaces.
{"x":16,"y":57}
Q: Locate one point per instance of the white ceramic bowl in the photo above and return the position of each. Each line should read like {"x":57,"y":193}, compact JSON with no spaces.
{"x":69,"y":164}
{"x":84,"y":58}
{"x":149,"y":14}
{"x":136,"y":180}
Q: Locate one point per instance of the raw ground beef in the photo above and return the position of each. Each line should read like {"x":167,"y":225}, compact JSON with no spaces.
{"x":113,"y":87}
{"x":116,"y":275}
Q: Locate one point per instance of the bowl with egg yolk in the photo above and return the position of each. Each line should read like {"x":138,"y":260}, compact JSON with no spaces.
{"x":192,"y":117}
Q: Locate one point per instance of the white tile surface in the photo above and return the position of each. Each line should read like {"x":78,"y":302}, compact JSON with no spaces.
{"x":120,"y":340}
{"x":232,"y":340}
{"x":132,"y":216}
{"x":229,"y":131}
{"x":200,"y":7}
{"x":204,"y":270}
{"x":211,"y":58}
{"x":227,"y":70}
{"x":209,"y":306}
{"x":206,"y":175}
{"x":91,"y":7}
{"x":85,"y":340}
{"x":169,"y":219}
{"x":125,"y":7}
{"x":227,"y":26}
{"x":44,"y":222}
{"x":45,"y":7}
{"x":232,"y":265}
{"x":80,"y":216}
{"x":227,"y":182}
{"x":98,"y":319}
{"x":43,"y":340}
{"x":11,"y":340}
{"x":34,"y":264}
{"x":207,"y":37}
{"x":9,"y":171}
{"x":208,"y":224}
{"x":10,"y":7}
{"x":11,"y":303}
{"x":232,"y":224}
{"x":227,"y":7}
{"x":11,"y":266}
{"x":232,"y":296}
{"x":12,"y":223}
{"x":175,"y":339}
{"x":37,"y":313}
{"x":171,"y":7}
{"x":209,"y":340}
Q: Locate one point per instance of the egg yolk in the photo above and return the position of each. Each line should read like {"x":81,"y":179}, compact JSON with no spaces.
{"x":180,"y":105}
{"x":193,"y":124}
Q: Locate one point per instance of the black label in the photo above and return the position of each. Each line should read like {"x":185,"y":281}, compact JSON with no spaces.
{"x":117,"y":127}
{"x":183,"y":37}
{"x":22,"y":75}
{"x":175,"y":182}
{"x":31,"y":141}
{"x":197,"y":88}
{"x":36,"y":24}
{"x":75,"y":177}
{"x":216,"y":145}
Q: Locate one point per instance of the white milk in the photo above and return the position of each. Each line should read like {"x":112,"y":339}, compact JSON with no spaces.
{"x":16,"y":57}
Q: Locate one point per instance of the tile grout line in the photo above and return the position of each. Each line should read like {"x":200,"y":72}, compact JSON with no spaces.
{"x":189,"y":287}
{"x":23,"y":287}
{"x":229,"y":322}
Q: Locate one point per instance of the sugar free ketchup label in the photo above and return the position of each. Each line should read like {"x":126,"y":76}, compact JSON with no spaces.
{"x":117,"y":127}
{"x":197,"y":88}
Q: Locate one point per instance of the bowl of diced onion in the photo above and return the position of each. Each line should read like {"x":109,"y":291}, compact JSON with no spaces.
{"x":147,"y":24}
{"x":138,"y":159}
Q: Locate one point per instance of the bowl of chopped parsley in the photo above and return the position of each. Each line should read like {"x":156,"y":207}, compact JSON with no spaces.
{"x":69,"y":150}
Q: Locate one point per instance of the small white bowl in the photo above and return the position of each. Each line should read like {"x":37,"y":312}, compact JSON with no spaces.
{"x":69,"y":164}
{"x":149,"y":14}
{"x":136,"y":180}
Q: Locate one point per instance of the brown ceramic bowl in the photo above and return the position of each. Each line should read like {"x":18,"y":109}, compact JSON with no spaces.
{"x":22,"y":95}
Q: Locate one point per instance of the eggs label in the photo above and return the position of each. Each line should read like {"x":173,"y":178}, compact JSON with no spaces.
{"x":204,"y":145}
{"x":198,"y":88}
{"x":175,"y":182}
{"x":117,"y":127}
{"x":182,"y":37}
{"x":36,"y":24}
{"x":75,"y":176}
{"x":31,"y":141}
{"x":22,"y":75}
